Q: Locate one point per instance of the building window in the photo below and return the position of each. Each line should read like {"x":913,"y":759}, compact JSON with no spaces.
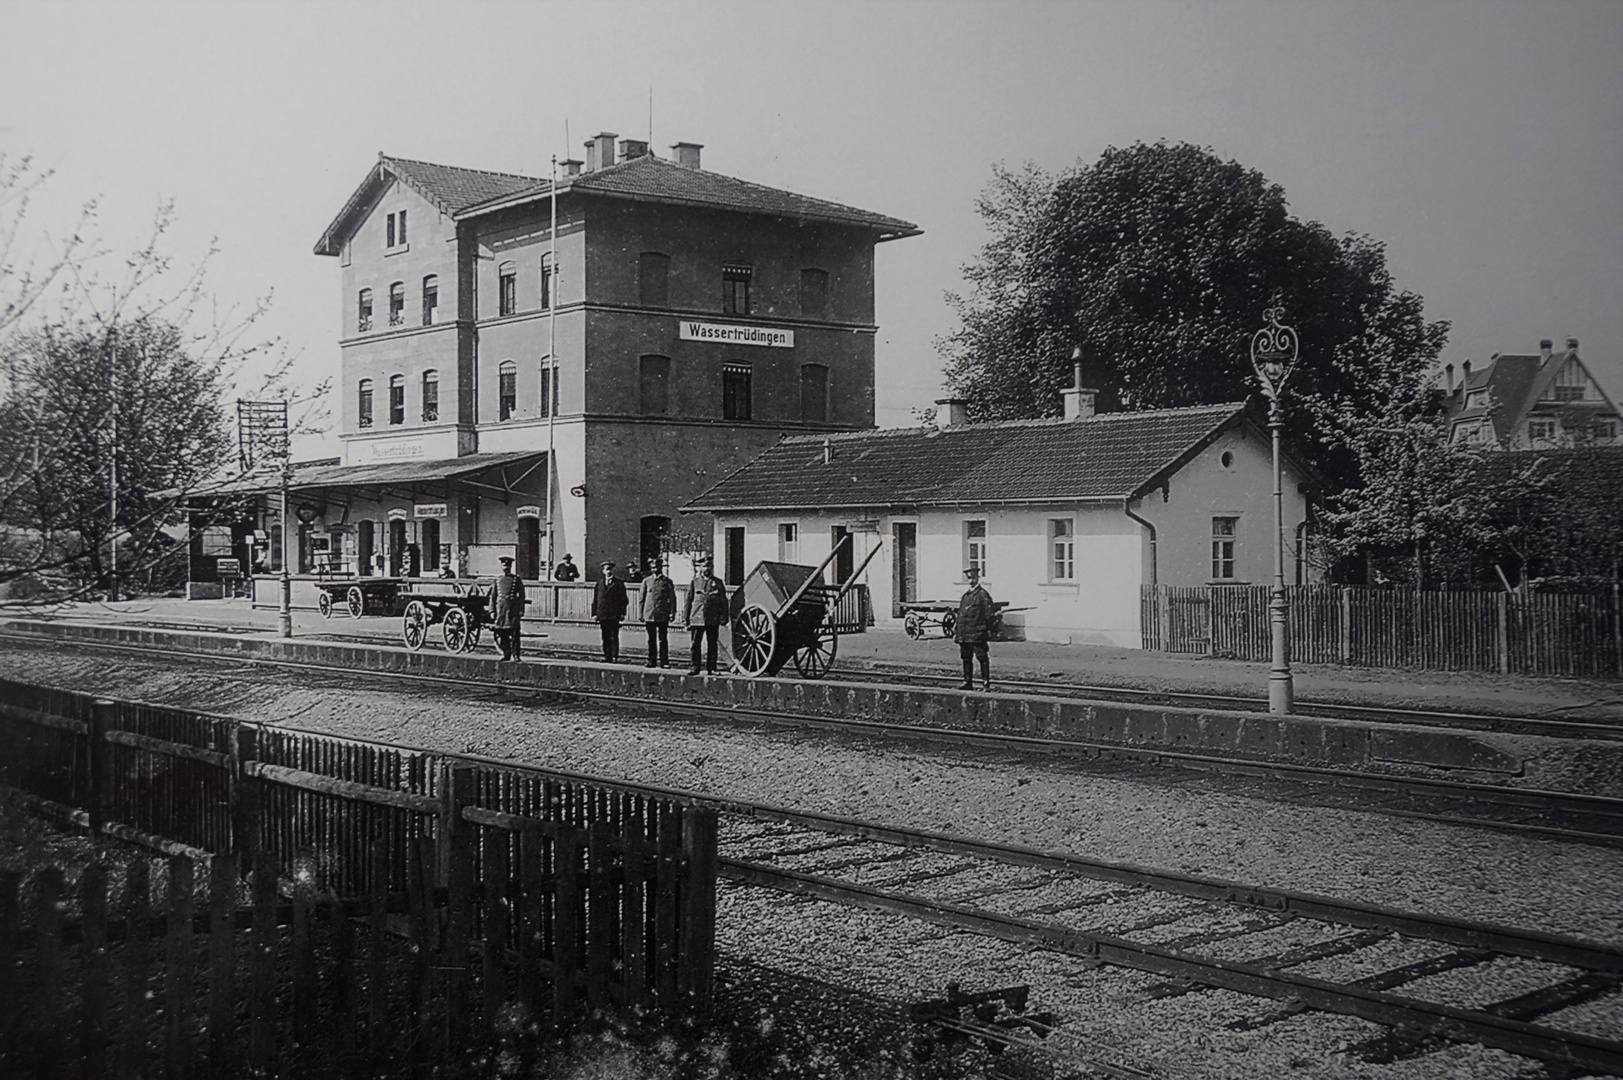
{"x":654,"y":385}
{"x":506,"y":390}
{"x":975,"y":545}
{"x":395,"y":230}
{"x":401,"y":236}
{"x":1605,"y":429}
{"x":388,"y":240}
{"x":546,"y":281}
{"x":814,"y":394}
{"x":735,"y":392}
{"x":397,"y":304}
{"x":735,"y":290}
{"x":363,"y":322}
{"x":507,"y":290}
{"x":431,"y":298}
{"x":653,"y":279}
{"x":364,"y":404}
{"x":1569,"y":393}
{"x":397,"y":399}
{"x":813,"y":292}
{"x":789,"y":542}
{"x":1062,"y":547}
{"x":1223,"y":529}
{"x":549,"y":388}
{"x":1541,"y":430}
{"x":216,"y":540}
{"x":431,"y":396}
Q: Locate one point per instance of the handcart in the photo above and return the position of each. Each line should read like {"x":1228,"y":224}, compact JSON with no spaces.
{"x":360,"y":596}
{"x":784,"y":611}
{"x":462,"y":613}
{"x":919,"y":617}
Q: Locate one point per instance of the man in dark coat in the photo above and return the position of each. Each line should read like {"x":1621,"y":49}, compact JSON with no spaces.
{"x":609,"y":609}
{"x":706,"y":611}
{"x":658,"y":608}
{"x":566,"y":570}
{"x":507,"y":602}
{"x":972,"y":629}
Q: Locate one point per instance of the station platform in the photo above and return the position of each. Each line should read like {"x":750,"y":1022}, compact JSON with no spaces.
{"x":880,"y":651}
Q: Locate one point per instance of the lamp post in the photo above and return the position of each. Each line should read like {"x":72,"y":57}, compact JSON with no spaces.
{"x":1273,"y":357}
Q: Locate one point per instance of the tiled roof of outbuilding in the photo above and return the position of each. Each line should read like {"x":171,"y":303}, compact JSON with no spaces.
{"x":1110,"y":456}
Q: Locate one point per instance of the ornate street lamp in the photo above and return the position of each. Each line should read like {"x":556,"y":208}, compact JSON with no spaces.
{"x":1273,"y":357}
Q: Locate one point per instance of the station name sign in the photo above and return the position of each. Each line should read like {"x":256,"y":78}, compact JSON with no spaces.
{"x":736,"y":335}
{"x":388,"y":450}
{"x":431,"y":510}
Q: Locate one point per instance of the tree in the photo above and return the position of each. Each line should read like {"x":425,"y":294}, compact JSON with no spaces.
{"x":1158,"y":262}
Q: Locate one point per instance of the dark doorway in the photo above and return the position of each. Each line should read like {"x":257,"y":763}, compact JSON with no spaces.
{"x":364,"y":545}
{"x":735,"y":555}
{"x":906,"y":567}
{"x":428,"y":536}
{"x":654,"y":531}
{"x":529,"y":548}
{"x":397,"y":547}
{"x":845,"y":553}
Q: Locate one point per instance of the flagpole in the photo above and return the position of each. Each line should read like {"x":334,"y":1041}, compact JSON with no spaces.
{"x":552,"y":354}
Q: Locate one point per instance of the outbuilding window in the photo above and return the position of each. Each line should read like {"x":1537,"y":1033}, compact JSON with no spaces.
{"x":1223,"y":532}
{"x":1062,"y":548}
{"x":789,"y":542}
{"x":975,"y":545}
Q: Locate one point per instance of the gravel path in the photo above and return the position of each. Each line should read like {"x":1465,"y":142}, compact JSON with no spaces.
{"x":1469,"y":873}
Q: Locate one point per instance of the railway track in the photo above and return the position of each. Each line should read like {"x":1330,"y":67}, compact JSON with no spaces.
{"x":1554,"y":814}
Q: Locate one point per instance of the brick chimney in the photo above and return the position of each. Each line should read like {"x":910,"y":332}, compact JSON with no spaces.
{"x":1572,"y":344}
{"x":600,"y":150}
{"x":631,"y":149}
{"x":956,"y":410}
{"x":686,"y":154}
{"x":1544,"y":350}
{"x":1448,"y":377}
{"x":1077,"y":398}
{"x":571,"y":167}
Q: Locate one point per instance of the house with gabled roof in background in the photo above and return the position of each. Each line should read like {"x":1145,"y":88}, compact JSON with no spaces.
{"x":1546,"y":401}
{"x":1066,"y":518}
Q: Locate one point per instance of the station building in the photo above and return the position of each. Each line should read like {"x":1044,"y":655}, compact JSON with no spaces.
{"x":508,"y":389}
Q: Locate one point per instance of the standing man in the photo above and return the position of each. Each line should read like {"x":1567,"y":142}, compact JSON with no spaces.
{"x":609,"y":609}
{"x":973,"y":629}
{"x":706,"y":611}
{"x":507,"y":602}
{"x":566,"y":570}
{"x":658,"y":608}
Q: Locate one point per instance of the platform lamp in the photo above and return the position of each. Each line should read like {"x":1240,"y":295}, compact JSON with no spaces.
{"x":1273,"y":357}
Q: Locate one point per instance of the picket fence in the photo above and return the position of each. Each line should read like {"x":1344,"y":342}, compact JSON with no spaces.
{"x":1579,"y":634}
{"x":329,"y":907}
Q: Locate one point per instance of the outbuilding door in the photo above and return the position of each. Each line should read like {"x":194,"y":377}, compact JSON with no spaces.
{"x":906,"y":566}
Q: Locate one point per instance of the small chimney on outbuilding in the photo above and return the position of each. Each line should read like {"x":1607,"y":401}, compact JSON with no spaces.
{"x":600,"y":150}
{"x":1077,"y":398}
{"x":686,"y":154}
{"x":952,"y":411}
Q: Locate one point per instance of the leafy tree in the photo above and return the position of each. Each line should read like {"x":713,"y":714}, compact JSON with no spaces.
{"x":1158,"y":262}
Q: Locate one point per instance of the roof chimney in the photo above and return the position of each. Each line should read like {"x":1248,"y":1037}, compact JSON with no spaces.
{"x":686,"y":154}
{"x":957,"y":410}
{"x":571,"y":166}
{"x":1448,"y":377}
{"x":630,"y":149}
{"x":600,"y":150}
{"x":1465,"y":373}
{"x":1077,"y":398}
{"x":1572,"y":344}
{"x":1544,"y":350}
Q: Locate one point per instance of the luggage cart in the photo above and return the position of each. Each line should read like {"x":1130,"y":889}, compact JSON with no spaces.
{"x":785,"y":612}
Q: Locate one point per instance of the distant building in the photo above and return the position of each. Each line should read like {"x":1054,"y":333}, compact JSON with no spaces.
{"x":1066,"y":518}
{"x":1541,"y":402}
{"x":495,"y":380}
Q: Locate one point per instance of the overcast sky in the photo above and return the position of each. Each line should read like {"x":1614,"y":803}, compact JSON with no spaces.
{"x":1481,"y":141}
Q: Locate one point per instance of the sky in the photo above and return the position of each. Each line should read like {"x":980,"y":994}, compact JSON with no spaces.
{"x":1482,"y":142}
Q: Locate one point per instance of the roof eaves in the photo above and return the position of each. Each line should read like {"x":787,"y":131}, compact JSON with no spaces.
{"x":1234,"y":412}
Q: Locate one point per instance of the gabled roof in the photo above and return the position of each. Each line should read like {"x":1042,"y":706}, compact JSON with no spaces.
{"x":463,"y":193}
{"x":1114,"y":456}
{"x":1516,"y":383}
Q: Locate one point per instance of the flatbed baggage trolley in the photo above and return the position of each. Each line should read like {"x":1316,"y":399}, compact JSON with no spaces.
{"x":359,"y":596}
{"x":920,"y":616}
{"x":784,"y":611}
{"x":462,"y":614}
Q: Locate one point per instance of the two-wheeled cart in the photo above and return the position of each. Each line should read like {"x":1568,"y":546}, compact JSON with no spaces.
{"x":360,"y":596}
{"x":462,"y":613}
{"x":784,"y":612}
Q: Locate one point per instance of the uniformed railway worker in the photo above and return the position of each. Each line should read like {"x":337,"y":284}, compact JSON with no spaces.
{"x":706,"y":611}
{"x":507,"y":602}
{"x":973,"y":629}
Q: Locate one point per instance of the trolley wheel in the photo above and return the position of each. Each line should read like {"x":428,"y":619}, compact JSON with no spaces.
{"x":414,"y":625}
{"x":324,"y":604}
{"x":913,"y":624}
{"x":814,"y":660}
{"x":357,"y":601}
{"x":459,"y":635}
{"x":949,"y":623}
{"x":755,"y":635}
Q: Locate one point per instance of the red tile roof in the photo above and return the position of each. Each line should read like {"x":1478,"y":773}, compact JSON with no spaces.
{"x":1111,"y":456}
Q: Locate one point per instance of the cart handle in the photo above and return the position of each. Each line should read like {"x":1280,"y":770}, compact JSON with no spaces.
{"x":815,"y":575}
{"x":852,"y":580}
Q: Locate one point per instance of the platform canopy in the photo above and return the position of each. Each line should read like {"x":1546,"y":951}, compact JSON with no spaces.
{"x":498,"y":475}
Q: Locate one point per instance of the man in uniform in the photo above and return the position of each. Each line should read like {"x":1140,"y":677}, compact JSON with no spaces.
{"x":973,"y":629}
{"x":658,"y":607}
{"x":706,"y":611}
{"x":609,"y":609}
{"x":507,"y":602}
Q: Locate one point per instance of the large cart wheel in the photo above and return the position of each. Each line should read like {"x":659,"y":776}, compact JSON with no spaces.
{"x":913,"y":623}
{"x":459,"y":634}
{"x":324,"y":604}
{"x":357,"y":601}
{"x":814,"y":659}
{"x":949,"y":623}
{"x":414,"y":625}
{"x":755,"y":635}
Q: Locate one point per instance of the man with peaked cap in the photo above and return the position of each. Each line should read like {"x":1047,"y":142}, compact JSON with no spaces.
{"x":657,"y":609}
{"x":973,"y":629}
{"x":706,"y":611}
{"x":609,"y":609}
{"x":507,"y":602}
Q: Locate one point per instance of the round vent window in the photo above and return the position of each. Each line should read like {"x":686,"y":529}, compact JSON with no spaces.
{"x":1227,"y":459}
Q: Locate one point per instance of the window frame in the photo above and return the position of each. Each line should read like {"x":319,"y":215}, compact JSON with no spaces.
{"x":734,"y":375}
{"x":506,"y":390}
{"x":789,"y":541}
{"x":1224,"y":546}
{"x":363,"y":311}
{"x":506,"y":290}
{"x":1541,"y":430}
{"x":431,"y":298}
{"x":735,"y":289}
{"x":363,"y":404}
{"x":975,"y":545}
{"x":549,"y":388}
{"x":1062,"y":550}
{"x":544,"y":295}
{"x":397,"y":303}
{"x":397,"y":400}
{"x":431,"y":396}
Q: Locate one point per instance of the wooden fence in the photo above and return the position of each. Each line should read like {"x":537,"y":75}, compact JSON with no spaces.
{"x":404,"y":909}
{"x":1536,"y":634}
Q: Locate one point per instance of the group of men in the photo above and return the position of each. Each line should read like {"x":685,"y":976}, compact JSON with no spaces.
{"x":703,"y":613}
